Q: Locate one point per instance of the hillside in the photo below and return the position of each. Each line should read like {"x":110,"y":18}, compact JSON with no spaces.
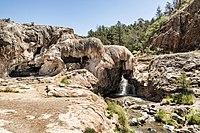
{"x":174,"y":30}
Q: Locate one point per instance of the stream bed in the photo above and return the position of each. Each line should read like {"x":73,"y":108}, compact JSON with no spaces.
{"x":141,"y":114}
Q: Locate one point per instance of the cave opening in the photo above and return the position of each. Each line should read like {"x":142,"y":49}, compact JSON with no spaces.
{"x":25,"y":70}
{"x":73,"y":63}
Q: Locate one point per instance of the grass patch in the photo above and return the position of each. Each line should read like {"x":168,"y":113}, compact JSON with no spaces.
{"x":9,"y":90}
{"x":123,"y":119}
{"x":89,"y":130}
{"x":65,"y":80}
{"x":23,"y":88}
{"x":186,"y":99}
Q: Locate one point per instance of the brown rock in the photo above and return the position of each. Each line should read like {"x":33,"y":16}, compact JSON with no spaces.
{"x":181,"y":32}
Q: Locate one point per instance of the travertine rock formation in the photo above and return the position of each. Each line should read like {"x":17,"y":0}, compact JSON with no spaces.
{"x":38,"y":50}
{"x":182,"y":32}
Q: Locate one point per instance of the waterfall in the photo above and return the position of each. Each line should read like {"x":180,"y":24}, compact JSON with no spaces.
{"x":123,"y":85}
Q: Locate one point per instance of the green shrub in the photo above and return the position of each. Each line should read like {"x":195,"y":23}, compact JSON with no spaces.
{"x":123,"y":119}
{"x":168,"y":99}
{"x":193,"y":117}
{"x":65,"y":80}
{"x":187,"y":99}
{"x":163,"y":117}
{"x":89,"y":130}
{"x":183,"y":82}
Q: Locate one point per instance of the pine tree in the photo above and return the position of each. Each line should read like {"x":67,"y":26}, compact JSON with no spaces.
{"x":158,"y":12}
{"x":168,"y":8}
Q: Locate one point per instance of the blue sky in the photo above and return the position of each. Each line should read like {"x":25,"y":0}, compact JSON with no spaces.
{"x":81,"y":15}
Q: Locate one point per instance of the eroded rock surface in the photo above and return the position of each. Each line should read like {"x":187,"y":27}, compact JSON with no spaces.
{"x":159,"y":75}
{"x":47,"y":106}
{"x":37,"y":50}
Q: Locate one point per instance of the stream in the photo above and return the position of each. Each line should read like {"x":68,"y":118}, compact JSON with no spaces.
{"x":140,"y":110}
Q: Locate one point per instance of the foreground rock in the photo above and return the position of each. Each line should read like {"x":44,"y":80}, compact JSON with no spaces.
{"x":46,"y":107}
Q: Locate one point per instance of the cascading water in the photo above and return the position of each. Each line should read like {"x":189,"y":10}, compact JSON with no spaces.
{"x":123,"y":85}
{"x":125,"y":88}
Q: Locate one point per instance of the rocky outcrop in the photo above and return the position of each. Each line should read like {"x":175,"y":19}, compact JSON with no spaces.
{"x":37,"y":50}
{"x":48,"y":104}
{"x":160,"y":76}
{"x":181,"y":32}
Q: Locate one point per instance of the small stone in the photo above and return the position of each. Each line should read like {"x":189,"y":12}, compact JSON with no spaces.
{"x":45,"y":116}
{"x":169,"y":128}
{"x":61,"y":85}
{"x":151,"y":130}
{"x":135,"y":107}
{"x":152,"y":112}
{"x":30,"y":117}
{"x":182,"y":131}
{"x":151,"y":119}
{"x":133,"y":122}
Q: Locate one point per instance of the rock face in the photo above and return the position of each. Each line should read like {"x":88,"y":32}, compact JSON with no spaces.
{"x":37,"y":50}
{"x":181,"y":32}
{"x":160,"y":76}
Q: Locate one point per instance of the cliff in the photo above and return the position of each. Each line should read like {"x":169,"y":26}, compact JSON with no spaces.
{"x":181,"y":32}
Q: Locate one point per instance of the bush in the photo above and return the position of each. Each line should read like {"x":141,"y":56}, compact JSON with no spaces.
{"x":165,"y":118}
{"x":183,"y":82}
{"x":65,"y":80}
{"x":193,"y":117}
{"x":187,"y":99}
{"x":161,"y":115}
{"x":89,"y":130}
{"x":123,"y":119}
